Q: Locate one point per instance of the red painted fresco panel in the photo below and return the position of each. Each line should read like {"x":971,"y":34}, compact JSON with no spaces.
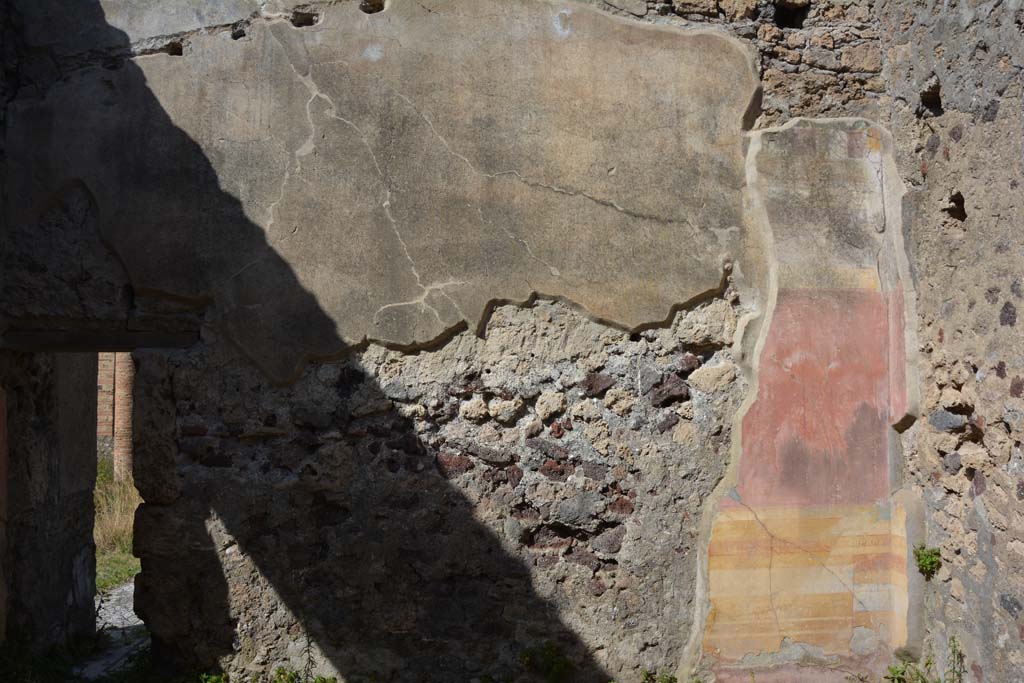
{"x":817,"y":433}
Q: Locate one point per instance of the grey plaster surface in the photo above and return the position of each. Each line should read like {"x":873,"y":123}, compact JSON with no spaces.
{"x":391,"y":176}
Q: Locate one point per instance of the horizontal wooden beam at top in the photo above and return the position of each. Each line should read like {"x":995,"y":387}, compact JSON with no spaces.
{"x":92,"y":340}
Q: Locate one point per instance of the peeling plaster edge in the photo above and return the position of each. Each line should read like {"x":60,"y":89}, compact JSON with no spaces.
{"x":893,"y":183}
{"x":757,"y":322}
{"x":303,"y":360}
{"x":744,"y":49}
{"x":903,"y":494}
{"x":747,"y":122}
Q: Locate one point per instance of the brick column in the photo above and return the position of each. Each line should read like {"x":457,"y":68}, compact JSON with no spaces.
{"x":105,"y":396}
{"x":124,"y":380}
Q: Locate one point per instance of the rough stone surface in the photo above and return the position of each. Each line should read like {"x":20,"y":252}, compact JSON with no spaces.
{"x":712,"y":378}
{"x":401,"y":527}
{"x":124,"y":636}
{"x":238,"y":166}
{"x":956,"y":114}
{"x":549,"y":403}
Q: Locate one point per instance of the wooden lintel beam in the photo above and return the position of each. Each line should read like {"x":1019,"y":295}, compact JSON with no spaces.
{"x":90,"y":340}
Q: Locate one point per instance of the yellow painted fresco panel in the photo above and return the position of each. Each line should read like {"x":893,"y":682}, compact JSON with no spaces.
{"x":811,"y":575}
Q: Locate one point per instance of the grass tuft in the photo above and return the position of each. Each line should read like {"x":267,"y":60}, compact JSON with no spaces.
{"x":116,"y":502}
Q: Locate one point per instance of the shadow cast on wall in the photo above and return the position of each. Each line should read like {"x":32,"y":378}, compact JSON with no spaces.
{"x":377,"y":556}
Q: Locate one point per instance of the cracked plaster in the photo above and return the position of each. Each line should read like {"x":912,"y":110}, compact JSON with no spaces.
{"x":429,"y":178}
{"x":411,"y":171}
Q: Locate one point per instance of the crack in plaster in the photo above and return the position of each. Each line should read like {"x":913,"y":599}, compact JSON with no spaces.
{"x":536,"y":184}
{"x":316,"y":92}
{"x":760,"y":225}
{"x":444,"y":142}
{"x":572,"y":192}
{"x":438,"y":287}
{"x":265,"y":16}
{"x":771,"y":586}
{"x":426,"y":289}
{"x":805,"y":551}
{"x":272,"y":208}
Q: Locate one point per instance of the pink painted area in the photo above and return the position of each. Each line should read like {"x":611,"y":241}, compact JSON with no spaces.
{"x":897,"y":356}
{"x":817,"y":433}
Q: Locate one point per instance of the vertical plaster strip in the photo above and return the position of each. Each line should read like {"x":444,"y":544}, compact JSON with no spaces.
{"x":758,"y":248}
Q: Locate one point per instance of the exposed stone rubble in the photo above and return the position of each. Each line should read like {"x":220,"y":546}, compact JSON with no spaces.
{"x":565,"y":486}
{"x":398,"y":503}
{"x":954,"y":79}
{"x":969,"y":465}
{"x":817,"y":58}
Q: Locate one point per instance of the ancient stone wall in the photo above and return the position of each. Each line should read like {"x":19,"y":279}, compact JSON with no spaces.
{"x":438,"y":515}
{"x":49,"y":563}
{"x":374,"y":459}
{"x":954,"y":77}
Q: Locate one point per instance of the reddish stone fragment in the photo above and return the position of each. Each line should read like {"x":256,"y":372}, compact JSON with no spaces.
{"x":610,"y":541}
{"x":688,"y":362}
{"x":596,"y":383}
{"x":621,"y":506}
{"x":1017,"y":387}
{"x":595,"y":470}
{"x":671,"y":390}
{"x":452,"y":464}
{"x":545,"y":537}
{"x":559,"y":471}
{"x":585,"y":558}
{"x":515,"y":475}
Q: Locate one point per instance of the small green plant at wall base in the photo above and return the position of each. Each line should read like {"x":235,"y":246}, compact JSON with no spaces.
{"x":957,"y":668}
{"x":928,"y":560}
{"x":909,"y":672}
{"x":280,"y":675}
